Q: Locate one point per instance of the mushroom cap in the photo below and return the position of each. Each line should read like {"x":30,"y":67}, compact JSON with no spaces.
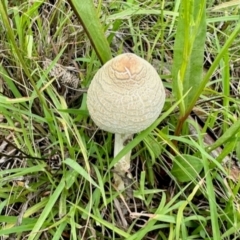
{"x":126,"y":95}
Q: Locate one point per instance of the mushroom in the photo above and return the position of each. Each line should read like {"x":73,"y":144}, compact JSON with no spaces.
{"x":125,"y":97}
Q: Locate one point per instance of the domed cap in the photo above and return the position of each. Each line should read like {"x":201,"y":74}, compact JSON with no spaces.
{"x":126,"y":95}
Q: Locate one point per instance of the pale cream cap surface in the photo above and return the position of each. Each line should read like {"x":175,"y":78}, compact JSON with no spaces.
{"x":126,"y":95}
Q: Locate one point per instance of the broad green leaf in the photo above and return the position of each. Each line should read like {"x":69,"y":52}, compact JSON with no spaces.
{"x":189,"y":50}
{"x":213,"y":67}
{"x":87,"y":15}
{"x":186,"y":167}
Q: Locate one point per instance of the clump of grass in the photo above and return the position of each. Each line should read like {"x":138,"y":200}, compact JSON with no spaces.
{"x":56,"y":166}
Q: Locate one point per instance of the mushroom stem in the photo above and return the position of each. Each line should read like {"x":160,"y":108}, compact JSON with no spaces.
{"x":123,"y":165}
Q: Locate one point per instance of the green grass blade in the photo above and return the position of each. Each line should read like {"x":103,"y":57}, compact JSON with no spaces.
{"x":227,"y":136}
{"x":10,"y":82}
{"x":105,"y":223}
{"x":16,"y":229}
{"x":45,"y":213}
{"x":60,"y":229}
{"x":176,"y":8}
{"x":74,"y":165}
{"x":179,"y":219}
{"x":87,"y":15}
{"x":135,"y":10}
{"x":210,"y":194}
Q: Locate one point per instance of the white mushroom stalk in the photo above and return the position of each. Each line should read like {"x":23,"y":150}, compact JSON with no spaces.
{"x":123,"y":165}
{"x":125,"y":97}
